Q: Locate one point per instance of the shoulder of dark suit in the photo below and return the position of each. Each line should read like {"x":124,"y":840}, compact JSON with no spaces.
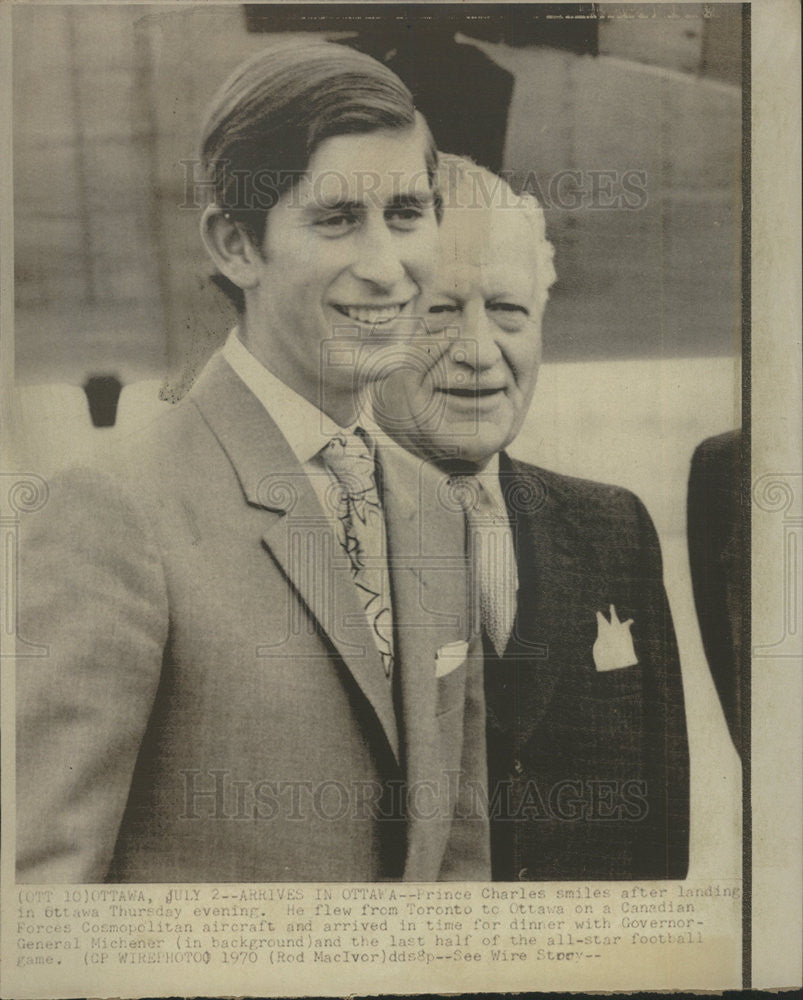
{"x":562,"y":491}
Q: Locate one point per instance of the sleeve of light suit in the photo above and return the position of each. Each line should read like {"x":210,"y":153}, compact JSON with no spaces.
{"x":92,"y":591}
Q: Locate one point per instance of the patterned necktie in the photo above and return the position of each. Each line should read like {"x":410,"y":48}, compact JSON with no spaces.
{"x":493,"y":558}
{"x":361,"y":532}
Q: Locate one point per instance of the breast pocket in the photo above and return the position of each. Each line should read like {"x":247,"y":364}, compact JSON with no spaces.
{"x":620,"y":683}
{"x":451,"y":690}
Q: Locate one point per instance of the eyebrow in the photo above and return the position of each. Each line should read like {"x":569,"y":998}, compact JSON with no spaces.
{"x":508,"y":299}
{"x":411,"y":200}
{"x":398,"y":201}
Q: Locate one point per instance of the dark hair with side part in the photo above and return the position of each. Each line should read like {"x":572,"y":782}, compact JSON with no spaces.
{"x":275,"y":110}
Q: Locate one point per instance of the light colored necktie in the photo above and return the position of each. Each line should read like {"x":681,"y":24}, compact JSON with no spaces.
{"x":493,"y":558}
{"x":361,"y":532}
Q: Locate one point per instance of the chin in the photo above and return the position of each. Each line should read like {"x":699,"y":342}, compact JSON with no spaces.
{"x":480,"y":453}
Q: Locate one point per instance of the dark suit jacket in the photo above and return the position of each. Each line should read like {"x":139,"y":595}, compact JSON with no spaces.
{"x":213,"y":706}
{"x":715,"y":554}
{"x":588,"y":769}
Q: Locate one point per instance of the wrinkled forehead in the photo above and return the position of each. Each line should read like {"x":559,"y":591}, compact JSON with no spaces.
{"x":485,"y":246}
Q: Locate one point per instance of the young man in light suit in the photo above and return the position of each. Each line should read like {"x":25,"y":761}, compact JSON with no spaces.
{"x":259,"y":658}
{"x":587,"y":749}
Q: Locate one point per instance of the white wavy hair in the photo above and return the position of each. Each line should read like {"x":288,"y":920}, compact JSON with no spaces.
{"x":464,"y":184}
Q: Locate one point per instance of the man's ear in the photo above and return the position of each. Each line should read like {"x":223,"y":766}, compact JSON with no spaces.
{"x":229,"y":246}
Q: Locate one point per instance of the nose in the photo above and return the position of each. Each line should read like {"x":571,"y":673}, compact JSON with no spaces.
{"x":477,"y":345}
{"x":379,"y":256}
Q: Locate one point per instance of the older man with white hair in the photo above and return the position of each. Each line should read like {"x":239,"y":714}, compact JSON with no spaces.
{"x":587,"y":748}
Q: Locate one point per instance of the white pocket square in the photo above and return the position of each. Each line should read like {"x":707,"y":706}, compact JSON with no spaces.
{"x":613,"y":649}
{"x":450,"y":656}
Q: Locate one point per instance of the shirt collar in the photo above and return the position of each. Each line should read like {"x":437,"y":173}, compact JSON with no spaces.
{"x":306,"y":428}
{"x":489,"y":480}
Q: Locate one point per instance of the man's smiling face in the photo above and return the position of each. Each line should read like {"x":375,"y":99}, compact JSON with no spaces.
{"x":467,"y":389}
{"x":351,"y":245}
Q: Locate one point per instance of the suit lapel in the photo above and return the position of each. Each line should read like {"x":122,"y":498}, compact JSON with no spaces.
{"x":548,"y":605}
{"x":426,"y":547}
{"x":297,"y":533}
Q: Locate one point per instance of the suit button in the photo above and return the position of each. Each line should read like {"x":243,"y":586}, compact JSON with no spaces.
{"x":517,"y":767}
{"x":522,"y":876}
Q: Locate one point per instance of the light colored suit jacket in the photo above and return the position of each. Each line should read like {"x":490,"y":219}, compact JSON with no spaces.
{"x":213,"y":706}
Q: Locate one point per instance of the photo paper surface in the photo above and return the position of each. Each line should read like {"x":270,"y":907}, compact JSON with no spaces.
{"x":401,"y":498}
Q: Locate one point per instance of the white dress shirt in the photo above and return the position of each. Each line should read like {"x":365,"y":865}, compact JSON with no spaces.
{"x":489,"y":477}
{"x":306,"y":428}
